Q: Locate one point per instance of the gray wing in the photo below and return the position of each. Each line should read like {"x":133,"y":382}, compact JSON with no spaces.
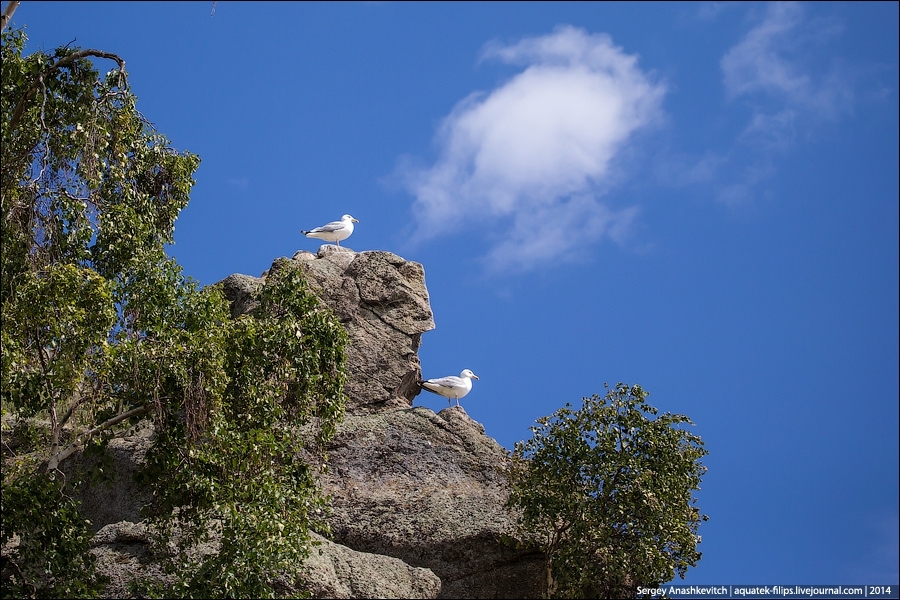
{"x":330,"y":228}
{"x":448,"y":382}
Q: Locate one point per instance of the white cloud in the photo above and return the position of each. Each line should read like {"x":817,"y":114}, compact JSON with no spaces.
{"x":783,"y":72}
{"x":772,"y":131}
{"x":559,"y":230}
{"x":769,"y":62}
{"x":532,"y":156}
{"x":755,"y":64}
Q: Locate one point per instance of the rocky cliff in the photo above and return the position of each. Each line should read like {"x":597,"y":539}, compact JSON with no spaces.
{"x":417,"y":496}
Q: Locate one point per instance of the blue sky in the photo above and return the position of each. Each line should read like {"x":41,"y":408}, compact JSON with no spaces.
{"x":700,"y":198}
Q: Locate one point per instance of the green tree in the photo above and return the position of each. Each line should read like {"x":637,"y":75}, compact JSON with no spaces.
{"x":606,"y":491}
{"x":100,"y":329}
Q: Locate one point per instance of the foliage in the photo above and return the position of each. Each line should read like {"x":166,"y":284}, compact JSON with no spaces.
{"x":52,"y":556}
{"x":606,"y":492}
{"x":100,"y":328}
{"x":242,"y":472}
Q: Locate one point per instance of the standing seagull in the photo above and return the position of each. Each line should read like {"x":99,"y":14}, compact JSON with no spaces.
{"x":451,"y":386}
{"x":334,"y":231}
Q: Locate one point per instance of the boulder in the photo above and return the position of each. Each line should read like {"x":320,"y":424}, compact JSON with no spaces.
{"x":240,"y":290}
{"x":407,"y":483}
{"x":335,"y":571}
{"x":124,"y":557}
{"x":114,"y":496}
{"x":331,"y":570}
{"x":429,"y":489}
{"x":382,"y":300}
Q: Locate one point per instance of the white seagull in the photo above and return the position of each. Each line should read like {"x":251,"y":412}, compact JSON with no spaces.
{"x":451,"y":386}
{"x":334,"y":231}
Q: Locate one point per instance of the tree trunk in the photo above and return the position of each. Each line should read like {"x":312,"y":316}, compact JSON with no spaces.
{"x":8,"y":13}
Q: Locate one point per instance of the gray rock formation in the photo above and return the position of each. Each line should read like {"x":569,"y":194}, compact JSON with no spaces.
{"x":335,"y":571}
{"x":381,"y":299}
{"x":331,"y":570}
{"x":123,"y":555}
{"x":422,"y":487}
{"x":239,"y":289}
{"x":116,"y":496}
{"x":417,"y":496}
{"x":429,"y":489}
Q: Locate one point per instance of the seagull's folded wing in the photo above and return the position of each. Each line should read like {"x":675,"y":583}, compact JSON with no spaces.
{"x":330,"y":228}
{"x":447,"y":382}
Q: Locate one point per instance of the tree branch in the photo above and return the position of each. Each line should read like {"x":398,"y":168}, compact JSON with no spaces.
{"x":63,"y":62}
{"x":8,"y":13}
{"x":75,"y":404}
{"x":56,"y":459}
{"x":54,"y":423}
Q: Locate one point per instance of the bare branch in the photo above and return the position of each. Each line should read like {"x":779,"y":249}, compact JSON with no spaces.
{"x":78,"y":401}
{"x":56,"y":459}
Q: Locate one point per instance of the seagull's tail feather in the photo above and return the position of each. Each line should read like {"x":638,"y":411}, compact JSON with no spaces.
{"x":422,"y":386}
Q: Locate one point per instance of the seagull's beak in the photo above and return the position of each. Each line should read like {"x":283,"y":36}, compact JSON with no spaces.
{"x":474,"y":375}
{"x":355,"y":220}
